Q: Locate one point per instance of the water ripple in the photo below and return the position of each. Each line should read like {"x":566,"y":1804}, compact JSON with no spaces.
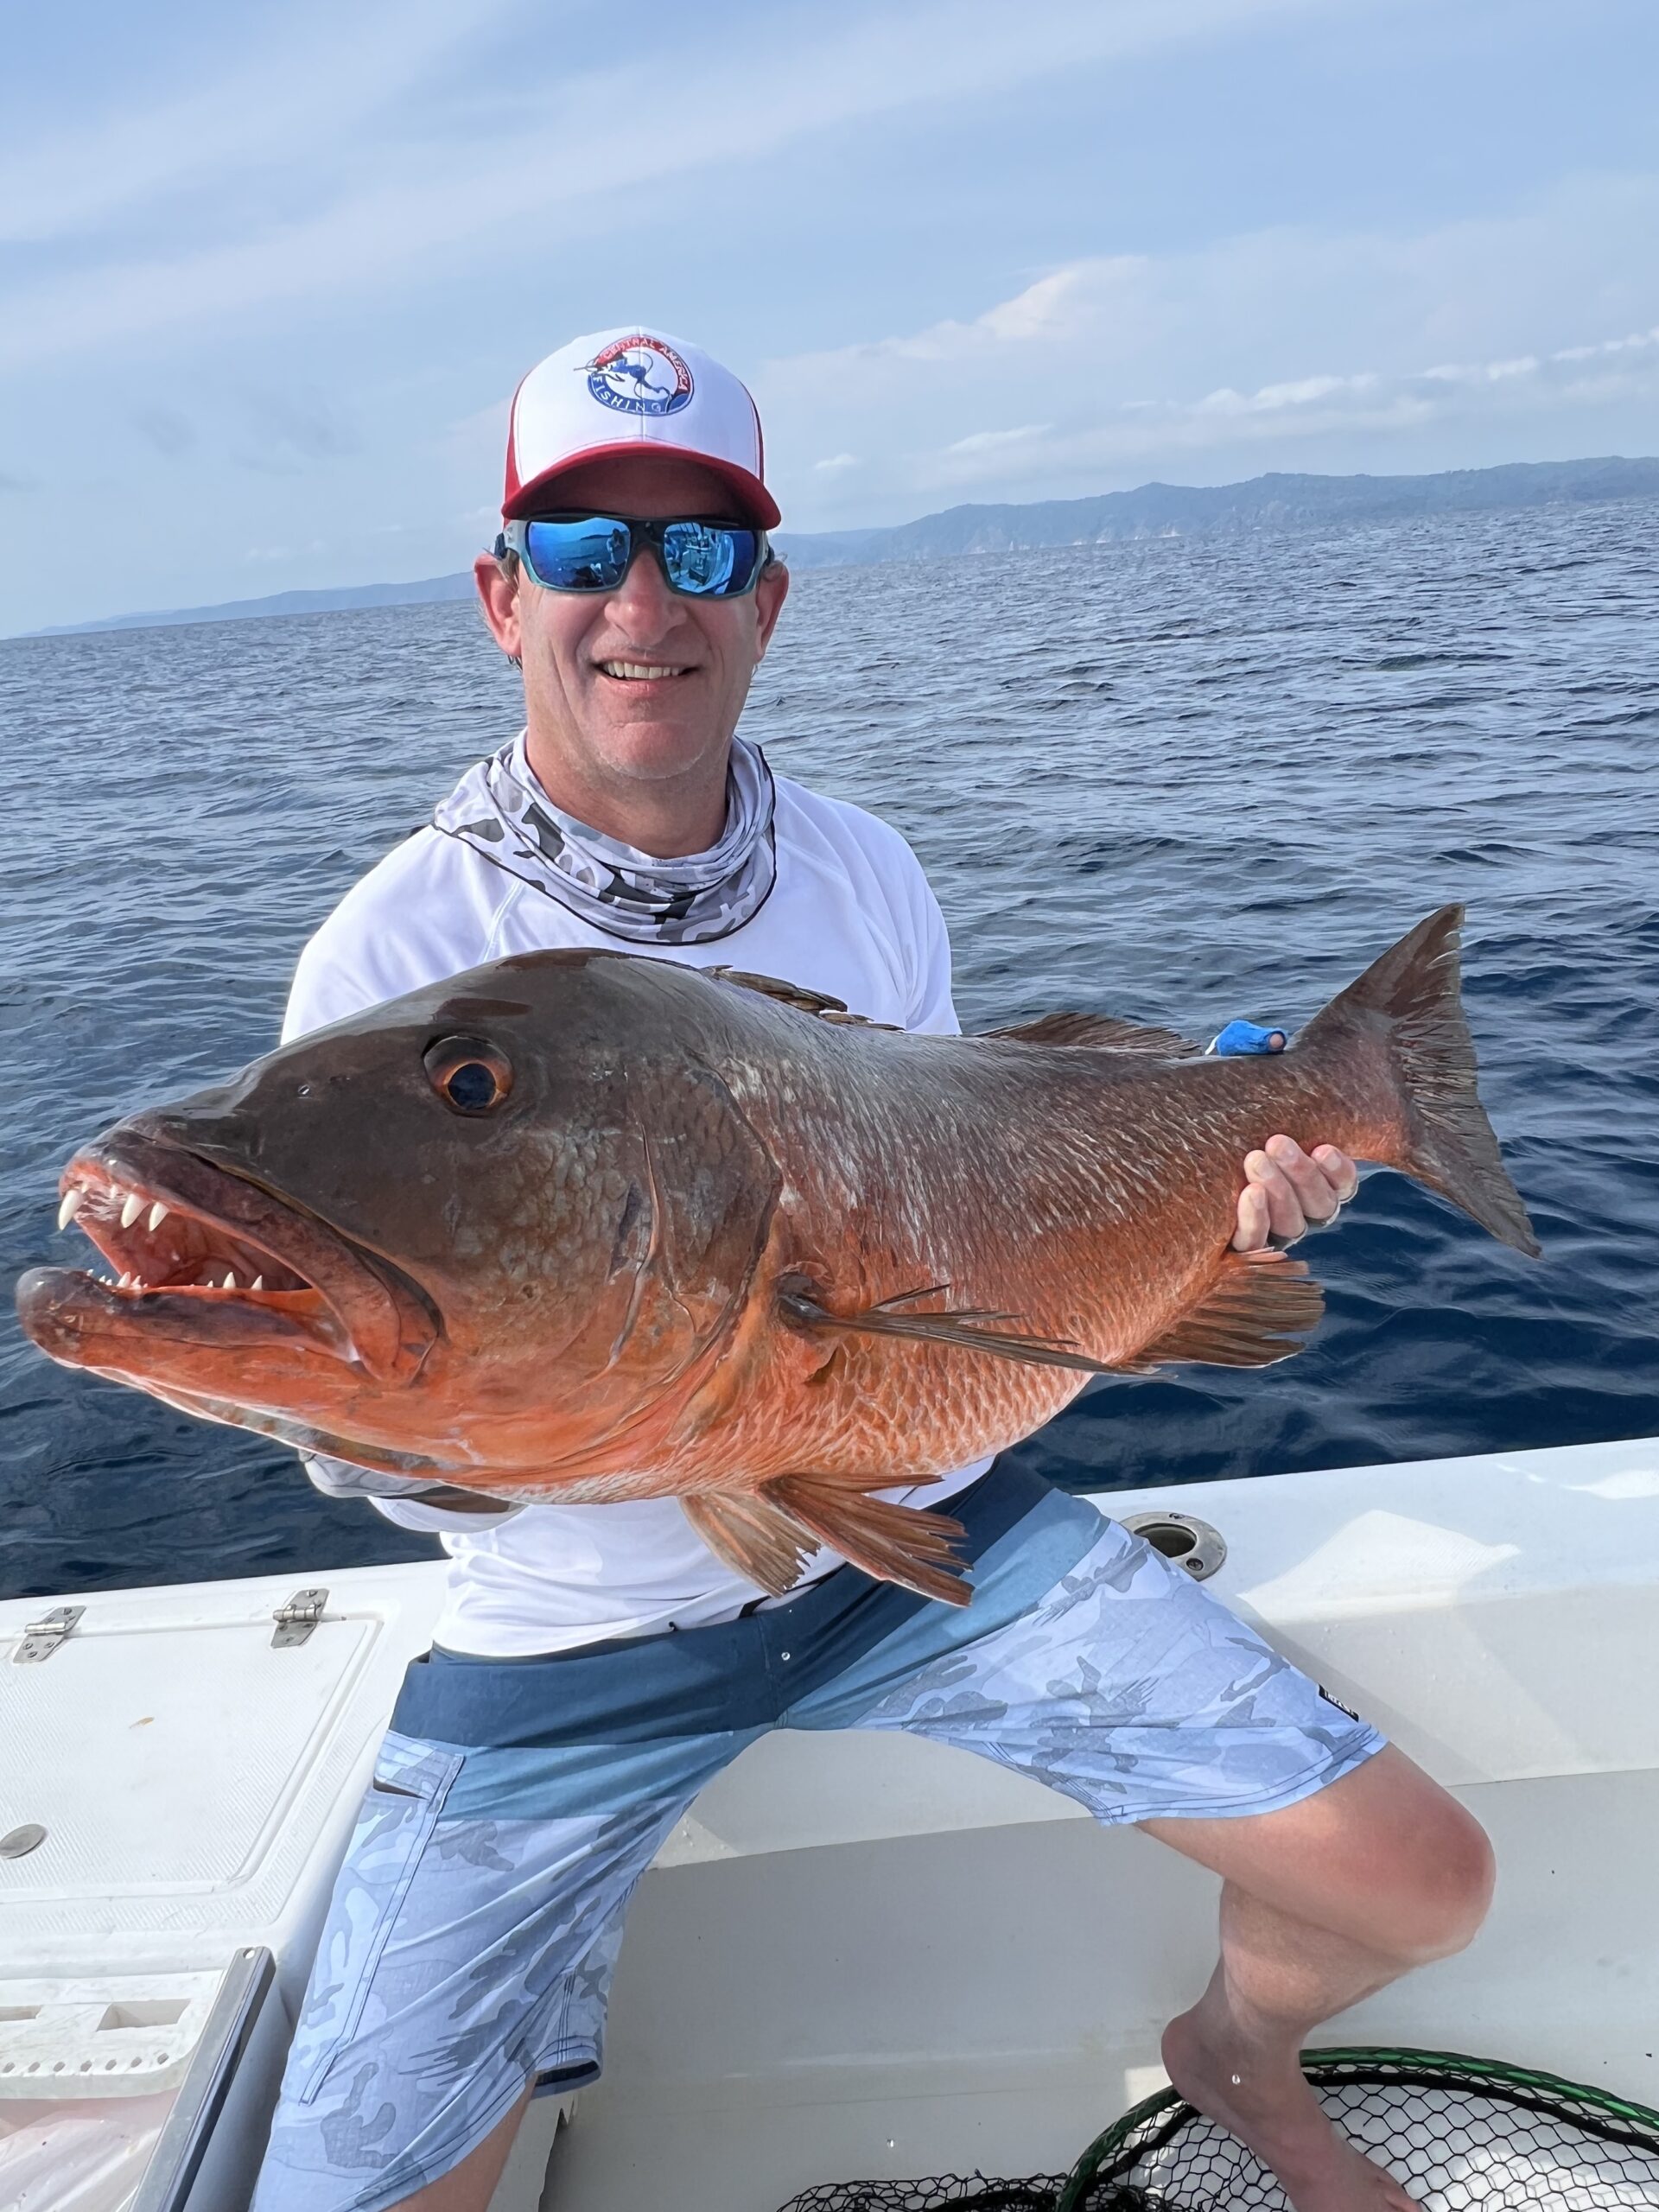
{"x":1183,"y":779}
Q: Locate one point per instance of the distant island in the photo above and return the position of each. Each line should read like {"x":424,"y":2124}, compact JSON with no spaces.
{"x":1264,"y":503}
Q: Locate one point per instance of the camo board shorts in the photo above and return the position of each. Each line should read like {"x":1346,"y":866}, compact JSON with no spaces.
{"x":469,"y":1946}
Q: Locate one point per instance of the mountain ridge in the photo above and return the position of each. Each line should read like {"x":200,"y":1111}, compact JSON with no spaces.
{"x":1279,"y":499}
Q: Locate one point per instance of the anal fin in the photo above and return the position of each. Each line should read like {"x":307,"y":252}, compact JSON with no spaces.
{"x":754,"y":1538}
{"x":1257,"y":1310}
{"x":767,"y":1535}
{"x":894,"y":1543}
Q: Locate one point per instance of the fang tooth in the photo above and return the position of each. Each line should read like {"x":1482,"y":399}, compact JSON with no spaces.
{"x":130,"y":1211}
{"x":157,"y":1214}
{"x":73,"y":1202}
{"x":124,"y":1281}
{"x":258,"y":1283}
{"x":229,"y":1283}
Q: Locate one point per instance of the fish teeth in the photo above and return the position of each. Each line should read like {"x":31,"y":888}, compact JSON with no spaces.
{"x":73,"y":1202}
{"x":133,"y":1208}
{"x":258,"y":1283}
{"x":229,"y":1283}
{"x":158,"y":1214}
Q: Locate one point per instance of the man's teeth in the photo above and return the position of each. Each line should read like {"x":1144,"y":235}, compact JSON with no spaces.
{"x":635,"y":671}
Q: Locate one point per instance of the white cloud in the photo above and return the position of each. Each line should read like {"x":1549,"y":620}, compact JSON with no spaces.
{"x":355,"y":221}
{"x":836,"y":462}
{"x":308,"y":89}
{"x":1471,"y":322}
{"x":998,"y":441}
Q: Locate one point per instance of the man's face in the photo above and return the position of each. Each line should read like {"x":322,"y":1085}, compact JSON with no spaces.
{"x":589,"y":708}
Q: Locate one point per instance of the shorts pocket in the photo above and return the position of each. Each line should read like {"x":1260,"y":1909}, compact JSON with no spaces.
{"x":399,"y":1811}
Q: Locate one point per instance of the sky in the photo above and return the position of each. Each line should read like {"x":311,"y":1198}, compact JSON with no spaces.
{"x":268,"y":276}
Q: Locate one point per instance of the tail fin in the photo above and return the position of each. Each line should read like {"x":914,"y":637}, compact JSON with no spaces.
{"x":1407,"y":1003}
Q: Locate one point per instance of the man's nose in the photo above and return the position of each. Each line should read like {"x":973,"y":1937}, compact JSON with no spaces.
{"x":642,"y":603}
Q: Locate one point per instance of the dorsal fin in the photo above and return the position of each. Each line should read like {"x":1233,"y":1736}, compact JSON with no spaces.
{"x":803,"y":1000}
{"x":1100,"y":1029}
{"x":772,"y":986}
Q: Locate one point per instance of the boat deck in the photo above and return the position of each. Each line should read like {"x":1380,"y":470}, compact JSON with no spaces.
{"x":863,"y":1955}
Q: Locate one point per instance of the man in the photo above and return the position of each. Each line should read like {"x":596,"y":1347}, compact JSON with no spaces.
{"x":594,"y":1665}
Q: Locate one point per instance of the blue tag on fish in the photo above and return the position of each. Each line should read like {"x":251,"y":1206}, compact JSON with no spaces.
{"x":1249,"y":1037}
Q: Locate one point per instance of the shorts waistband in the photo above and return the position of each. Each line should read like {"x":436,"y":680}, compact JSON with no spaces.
{"x":691,"y":1682}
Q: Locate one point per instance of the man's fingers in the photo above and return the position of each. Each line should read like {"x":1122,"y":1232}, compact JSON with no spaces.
{"x":1316,"y":1191}
{"x":1344,"y":1175}
{"x":1253,"y":1225}
{"x":1288,"y":1192}
{"x":1286,"y":1219}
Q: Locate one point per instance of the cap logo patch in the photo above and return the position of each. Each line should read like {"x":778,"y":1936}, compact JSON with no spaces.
{"x":639,"y":376}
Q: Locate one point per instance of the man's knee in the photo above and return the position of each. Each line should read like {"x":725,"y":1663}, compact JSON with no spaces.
{"x":1438,"y":1907}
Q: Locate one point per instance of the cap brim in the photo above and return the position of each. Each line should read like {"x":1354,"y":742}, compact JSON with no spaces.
{"x":759,"y":505}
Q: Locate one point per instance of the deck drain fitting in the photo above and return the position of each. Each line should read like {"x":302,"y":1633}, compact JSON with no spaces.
{"x":1191,"y":1544}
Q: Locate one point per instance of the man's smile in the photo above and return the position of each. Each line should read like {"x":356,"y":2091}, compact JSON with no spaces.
{"x":636,"y":672}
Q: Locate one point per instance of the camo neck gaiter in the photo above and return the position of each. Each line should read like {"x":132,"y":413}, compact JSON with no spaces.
{"x":500,"y":810}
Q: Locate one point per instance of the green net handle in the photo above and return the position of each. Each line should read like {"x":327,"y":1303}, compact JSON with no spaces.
{"x":1318,"y":2065}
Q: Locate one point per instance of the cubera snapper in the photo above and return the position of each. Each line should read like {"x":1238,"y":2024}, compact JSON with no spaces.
{"x":589,"y":1226}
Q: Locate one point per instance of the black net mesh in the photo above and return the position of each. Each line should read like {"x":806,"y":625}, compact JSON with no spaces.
{"x":1459,"y":2135}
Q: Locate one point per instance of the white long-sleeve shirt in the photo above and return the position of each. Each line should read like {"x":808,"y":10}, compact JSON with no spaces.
{"x":851,"y":913}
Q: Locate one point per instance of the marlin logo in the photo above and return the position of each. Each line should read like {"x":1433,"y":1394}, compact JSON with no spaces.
{"x":639,"y":376}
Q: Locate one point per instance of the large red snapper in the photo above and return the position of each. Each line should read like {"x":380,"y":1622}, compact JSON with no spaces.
{"x":587,"y":1226}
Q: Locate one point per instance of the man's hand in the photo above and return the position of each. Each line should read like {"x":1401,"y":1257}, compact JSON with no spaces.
{"x":1288,"y":1192}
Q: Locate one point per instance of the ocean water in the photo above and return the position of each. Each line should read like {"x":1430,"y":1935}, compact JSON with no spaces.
{"x":1185,"y":780}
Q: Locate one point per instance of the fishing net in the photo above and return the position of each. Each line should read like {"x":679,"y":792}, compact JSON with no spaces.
{"x":1459,"y":2135}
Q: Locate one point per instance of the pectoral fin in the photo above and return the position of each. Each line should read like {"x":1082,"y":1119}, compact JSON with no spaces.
{"x":967,"y":1328}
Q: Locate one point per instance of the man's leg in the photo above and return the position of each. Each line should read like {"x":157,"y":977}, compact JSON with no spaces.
{"x":1092,"y":1664}
{"x":469,"y":2186}
{"x":474,"y":1925}
{"x":1322,"y":1904}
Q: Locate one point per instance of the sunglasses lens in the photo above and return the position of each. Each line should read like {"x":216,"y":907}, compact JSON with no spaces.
{"x":590,"y":554}
{"x":709,"y":560}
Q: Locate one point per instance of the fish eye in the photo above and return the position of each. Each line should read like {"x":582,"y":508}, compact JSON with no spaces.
{"x":470,"y":1075}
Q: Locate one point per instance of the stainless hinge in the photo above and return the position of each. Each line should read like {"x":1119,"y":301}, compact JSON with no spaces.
{"x":296,"y":1620}
{"x":42,"y":1637}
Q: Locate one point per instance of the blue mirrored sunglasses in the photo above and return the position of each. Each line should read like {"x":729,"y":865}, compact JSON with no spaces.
{"x":700,"y":560}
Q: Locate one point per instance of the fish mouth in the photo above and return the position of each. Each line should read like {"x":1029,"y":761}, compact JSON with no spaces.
{"x":206,"y":1256}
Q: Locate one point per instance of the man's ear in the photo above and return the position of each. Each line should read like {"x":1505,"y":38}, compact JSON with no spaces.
{"x":770,"y":593}
{"x":498,"y":592}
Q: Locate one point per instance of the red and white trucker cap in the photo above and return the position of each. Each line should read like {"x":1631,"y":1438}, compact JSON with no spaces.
{"x":622,"y":390}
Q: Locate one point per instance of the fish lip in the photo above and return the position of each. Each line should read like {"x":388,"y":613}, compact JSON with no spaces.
{"x":372,"y":1314}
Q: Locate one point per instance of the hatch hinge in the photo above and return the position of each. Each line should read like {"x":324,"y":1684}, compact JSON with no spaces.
{"x":42,"y":1637}
{"x":297,"y":1618}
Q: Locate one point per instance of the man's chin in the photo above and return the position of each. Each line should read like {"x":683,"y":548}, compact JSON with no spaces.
{"x":656,"y":743}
